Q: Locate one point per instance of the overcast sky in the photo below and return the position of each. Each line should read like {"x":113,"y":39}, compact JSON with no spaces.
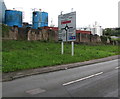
{"x":105,"y":12}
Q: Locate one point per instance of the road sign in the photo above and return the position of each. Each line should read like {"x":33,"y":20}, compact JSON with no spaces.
{"x":67,"y":26}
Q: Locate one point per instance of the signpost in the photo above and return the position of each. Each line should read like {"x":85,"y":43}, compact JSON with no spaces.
{"x":67,"y":28}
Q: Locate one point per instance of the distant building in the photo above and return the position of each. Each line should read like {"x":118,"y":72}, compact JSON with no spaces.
{"x":96,"y":30}
{"x":2,"y":11}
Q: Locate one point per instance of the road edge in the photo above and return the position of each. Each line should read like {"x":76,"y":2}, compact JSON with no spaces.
{"x":19,"y":74}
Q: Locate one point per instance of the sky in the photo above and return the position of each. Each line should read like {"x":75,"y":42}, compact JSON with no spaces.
{"x":105,"y":12}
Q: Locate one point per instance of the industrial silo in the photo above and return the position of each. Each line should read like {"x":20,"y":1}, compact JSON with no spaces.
{"x":13,"y":18}
{"x":44,"y":21}
{"x":40,"y":19}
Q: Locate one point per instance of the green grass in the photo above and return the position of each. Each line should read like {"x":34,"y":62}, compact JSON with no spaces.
{"x":19,"y":55}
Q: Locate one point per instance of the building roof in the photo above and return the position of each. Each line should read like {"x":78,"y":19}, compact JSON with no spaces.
{"x":77,"y":31}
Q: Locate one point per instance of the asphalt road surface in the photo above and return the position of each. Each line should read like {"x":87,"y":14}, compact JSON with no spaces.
{"x":95,"y":80}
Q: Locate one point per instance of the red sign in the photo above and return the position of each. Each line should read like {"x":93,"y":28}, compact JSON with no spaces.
{"x":65,"y":22}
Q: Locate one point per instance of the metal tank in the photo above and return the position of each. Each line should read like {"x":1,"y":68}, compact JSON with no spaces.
{"x":13,"y":18}
{"x":40,"y":19}
{"x":44,"y":21}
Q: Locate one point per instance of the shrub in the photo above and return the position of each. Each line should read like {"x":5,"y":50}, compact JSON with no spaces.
{"x":5,"y":30}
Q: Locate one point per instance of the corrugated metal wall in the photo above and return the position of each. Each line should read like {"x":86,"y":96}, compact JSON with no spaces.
{"x":119,"y":14}
{"x":2,"y":11}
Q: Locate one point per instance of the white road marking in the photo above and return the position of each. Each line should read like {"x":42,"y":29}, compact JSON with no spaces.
{"x":71,"y":82}
{"x":35,"y":91}
{"x":117,"y":67}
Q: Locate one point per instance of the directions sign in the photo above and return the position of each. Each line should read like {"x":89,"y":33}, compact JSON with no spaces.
{"x":67,"y":26}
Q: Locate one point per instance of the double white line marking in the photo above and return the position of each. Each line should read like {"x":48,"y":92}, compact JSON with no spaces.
{"x":71,"y":82}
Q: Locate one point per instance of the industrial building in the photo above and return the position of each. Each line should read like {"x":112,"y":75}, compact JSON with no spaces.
{"x":2,"y":11}
{"x":39,"y":19}
{"x":95,"y":29}
{"x":15,"y":18}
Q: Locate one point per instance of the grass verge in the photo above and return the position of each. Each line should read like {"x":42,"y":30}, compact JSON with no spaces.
{"x":20,"y":55}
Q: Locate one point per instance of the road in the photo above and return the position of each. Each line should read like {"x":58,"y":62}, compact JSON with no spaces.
{"x":95,"y":80}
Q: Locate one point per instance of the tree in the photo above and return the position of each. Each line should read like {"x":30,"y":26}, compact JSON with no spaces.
{"x":107,"y":31}
{"x":111,"y":32}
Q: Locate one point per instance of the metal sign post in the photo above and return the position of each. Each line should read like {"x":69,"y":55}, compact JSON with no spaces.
{"x":72,"y":48}
{"x":62,"y":47}
{"x":67,"y":29}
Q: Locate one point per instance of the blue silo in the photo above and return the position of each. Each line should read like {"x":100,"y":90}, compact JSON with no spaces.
{"x":40,"y":19}
{"x":13,"y":18}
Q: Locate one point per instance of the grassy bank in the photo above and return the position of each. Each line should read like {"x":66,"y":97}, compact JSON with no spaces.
{"x":19,"y":55}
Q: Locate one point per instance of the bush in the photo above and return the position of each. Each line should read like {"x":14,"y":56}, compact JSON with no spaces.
{"x":103,"y":39}
{"x":5,"y":30}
